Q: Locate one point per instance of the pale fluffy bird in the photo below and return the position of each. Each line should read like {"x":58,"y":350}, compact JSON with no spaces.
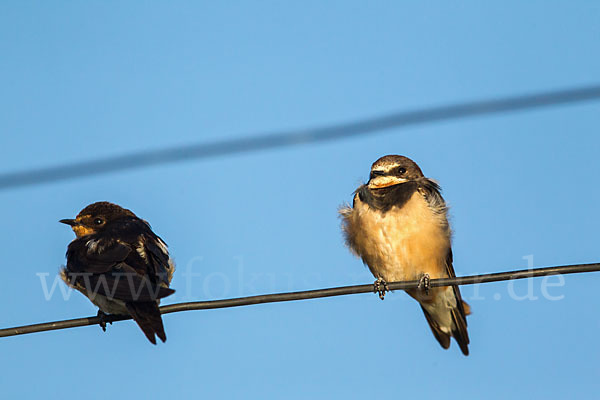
{"x":398,"y":225}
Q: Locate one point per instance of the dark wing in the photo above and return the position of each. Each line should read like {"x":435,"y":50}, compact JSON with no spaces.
{"x":458,"y":314}
{"x":101,"y":266}
{"x":147,"y":316}
{"x":432,"y":192}
{"x":158,"y":259}
{"x":151,"y":256}
{"x":442,"y":338}
{"x":95,"y":256}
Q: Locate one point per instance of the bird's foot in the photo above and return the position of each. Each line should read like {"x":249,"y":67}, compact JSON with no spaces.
{"x":380,"y":286}
{"x":103,"y":320}
{"x":424,"y":283}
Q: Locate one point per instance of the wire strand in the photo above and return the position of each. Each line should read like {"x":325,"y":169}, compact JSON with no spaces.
{"x":296,"y":137}
{"x":309,"y":294}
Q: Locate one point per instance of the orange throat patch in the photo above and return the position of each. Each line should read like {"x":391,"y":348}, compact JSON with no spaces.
{"x":81,"y":230}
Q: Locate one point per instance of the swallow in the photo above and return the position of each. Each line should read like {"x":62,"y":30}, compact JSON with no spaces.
{"x":398,"y":225}
{"x":120,"y":265}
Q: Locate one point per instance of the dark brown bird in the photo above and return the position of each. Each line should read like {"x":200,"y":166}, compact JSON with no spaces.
{"x":120,"y":265}
{"x":398,"y":225}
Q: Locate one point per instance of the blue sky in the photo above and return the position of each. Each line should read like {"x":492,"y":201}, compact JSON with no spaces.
{"x":82,"y":80}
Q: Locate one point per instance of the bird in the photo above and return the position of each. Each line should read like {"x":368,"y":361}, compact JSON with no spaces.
{"x":120,"y":264}
{"x":398,"y":225}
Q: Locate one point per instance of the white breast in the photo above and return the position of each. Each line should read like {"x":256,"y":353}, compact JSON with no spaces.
{"x":402,"y":243}
{"x":110,"y":306}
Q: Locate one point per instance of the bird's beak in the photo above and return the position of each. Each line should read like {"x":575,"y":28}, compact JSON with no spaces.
{"x":375,"y":174}
{"x":70,"y":222}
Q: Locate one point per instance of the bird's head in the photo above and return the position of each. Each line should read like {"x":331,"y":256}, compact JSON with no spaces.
{"x":393,"y":170}
{"x":96,"y":217}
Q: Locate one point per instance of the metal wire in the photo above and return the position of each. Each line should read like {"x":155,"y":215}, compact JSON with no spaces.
{"x":291,"y":138}
{"x":309,"y":294}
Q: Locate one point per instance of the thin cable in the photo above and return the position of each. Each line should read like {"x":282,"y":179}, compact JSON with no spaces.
{"x":308,"y":294}
{"x":291,"y":138}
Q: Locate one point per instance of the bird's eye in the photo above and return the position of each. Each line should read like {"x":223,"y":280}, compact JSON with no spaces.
{"x":401,"y":170}
{"x":98,"y":221}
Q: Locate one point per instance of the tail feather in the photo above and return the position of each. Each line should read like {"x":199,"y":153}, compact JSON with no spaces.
{"x":446,"y":322}
{"x":459,"y":329}
{"x":441,"y":337}
{"x":147,"y":316}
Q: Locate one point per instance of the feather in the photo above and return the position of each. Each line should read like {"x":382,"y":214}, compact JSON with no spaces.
{"x":147,"y":316}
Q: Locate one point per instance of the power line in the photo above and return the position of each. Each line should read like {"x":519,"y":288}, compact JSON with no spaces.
{"x":296,"y":137}
{"x":308,"y":294}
